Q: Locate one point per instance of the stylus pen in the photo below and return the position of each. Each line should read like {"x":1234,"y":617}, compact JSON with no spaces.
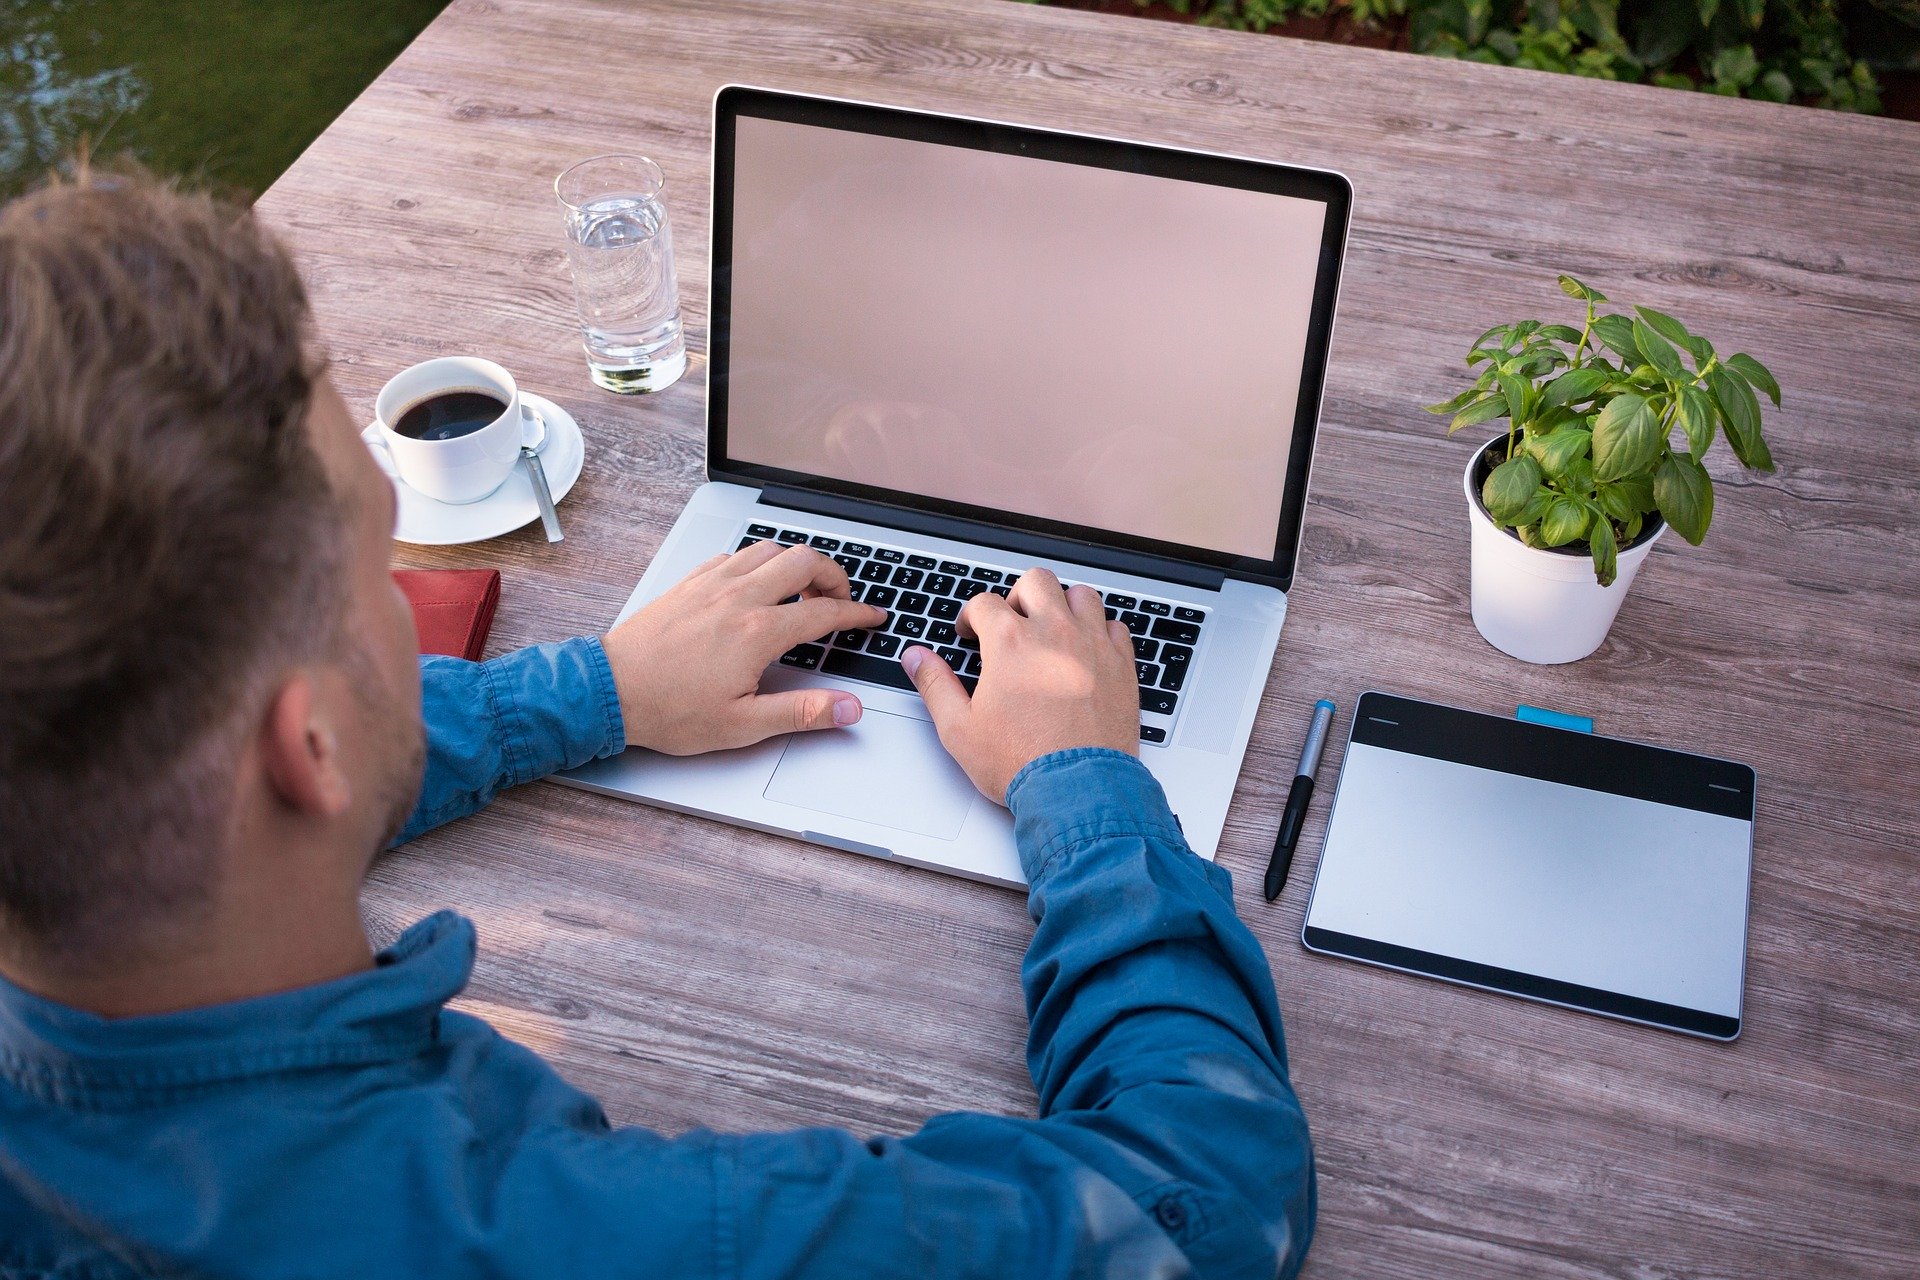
{"x":1297,"y":798}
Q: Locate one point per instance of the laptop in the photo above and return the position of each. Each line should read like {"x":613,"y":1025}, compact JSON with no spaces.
{"x":946,"y":350}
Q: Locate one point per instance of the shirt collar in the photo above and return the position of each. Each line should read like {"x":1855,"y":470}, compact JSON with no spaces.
{"x":392,"y":1010}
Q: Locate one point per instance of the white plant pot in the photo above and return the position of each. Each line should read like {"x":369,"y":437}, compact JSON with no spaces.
{"x":1542,"y":606}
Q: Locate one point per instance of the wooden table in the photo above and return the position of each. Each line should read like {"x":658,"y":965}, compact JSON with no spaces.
{"x":694,"y":974}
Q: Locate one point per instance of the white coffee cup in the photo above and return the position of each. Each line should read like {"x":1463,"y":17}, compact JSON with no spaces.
{"x":463,"y":468}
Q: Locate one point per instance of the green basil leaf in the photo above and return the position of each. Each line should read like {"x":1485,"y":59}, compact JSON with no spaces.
{"x":1697,"y":418}
{"x":1498,"y":331}
{"x":1457,"y":403}
{"x":1536,"y":506}
{"x":1633,"y":493}
{"x":1573,"y":386}
{"x":1574,"y":289}
{"x":1741,"y":412}
{"x":1756,"y":375}
{"x":1515,"y":388}
{"x":1617,"y":333}
{"x":1561,"y":333}
{"x":1509,"y":487}
{"x":1557,"y":449}
{"x":1606,"y":560}
{"x":1684,"y":493}
{"x":1626,"y":437}
{"x":1566,"y":519}
{"x":1478,"y":412}
{"x":1664,"y":325}
{"x":1658,"y":352}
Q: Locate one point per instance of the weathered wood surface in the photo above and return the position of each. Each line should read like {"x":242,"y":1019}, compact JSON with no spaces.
{"x":693,"y":974}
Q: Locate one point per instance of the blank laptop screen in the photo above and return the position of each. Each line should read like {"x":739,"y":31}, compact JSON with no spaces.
{"x":1114,"y":350}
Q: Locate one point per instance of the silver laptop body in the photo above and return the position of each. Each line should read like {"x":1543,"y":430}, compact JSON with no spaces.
{"x":946,"y":350}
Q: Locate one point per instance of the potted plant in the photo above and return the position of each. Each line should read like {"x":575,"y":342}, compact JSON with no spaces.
{"x":1606,"y":429}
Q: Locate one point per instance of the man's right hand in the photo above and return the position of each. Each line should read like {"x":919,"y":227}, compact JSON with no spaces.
{"x":1055,"y":674}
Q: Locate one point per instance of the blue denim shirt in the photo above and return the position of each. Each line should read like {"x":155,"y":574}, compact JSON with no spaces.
{"x":361,"y":1129}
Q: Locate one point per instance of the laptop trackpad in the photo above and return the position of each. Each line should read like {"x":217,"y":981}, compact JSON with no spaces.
{"x":887,"y":769}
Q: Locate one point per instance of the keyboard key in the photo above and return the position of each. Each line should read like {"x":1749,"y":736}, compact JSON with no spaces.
{"x":969,"y":588}
{"x":1014,"y":578}
{"x":938,"y":584}
{"x":821,"y":542}
{"x":968,"y":642}
{"x":1145,"y":649}
{"x":803,"y":655}
{"x":914,"y":602}
{"x":1136,"y":622}
{"x":973,"y":664}
{"x":884,"y":645}
{"x":855,"y":588}
{"x":1000,"y":589}
{"x":881,"y":596}
{"x":922,"y":562}
{"x":861,"y":666}
{"x":908,"y":578}
{"x":747,"y":542}
{"x":953,"y":567}
{"x":856,"y":548}
{"x":889,"y":555}
{"x":947,"y":609}
{"x":1173,"y":678}
{"x":850,"y":563}
{"x":986,"y":575}
{"x":874,"y":571}
{"x":1119,"y":601}
{"x":759,"y":531}
{"x":1157,"y":700}
{"x":1158,"y":608}
{"x":955,"y":658}
{"x":1189,"y":615}
{"x":1152,"y":733}
{"x":849,"y":639}
{"x":943,"y":633}
{"x":1149,"y":673}
{"x":1178,"y":632}
{"x":1112,"y":613}
{"x":1174,"y":655}
{"x":792,"y":536}
{"x":791,"y":600}
{"x":905,"y":624}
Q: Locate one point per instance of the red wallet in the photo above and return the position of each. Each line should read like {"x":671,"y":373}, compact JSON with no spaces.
{"x":452,"y":608}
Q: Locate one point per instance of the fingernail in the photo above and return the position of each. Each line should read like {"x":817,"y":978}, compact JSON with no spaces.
{"x":911,"y":660}
{"x":845,"y":710}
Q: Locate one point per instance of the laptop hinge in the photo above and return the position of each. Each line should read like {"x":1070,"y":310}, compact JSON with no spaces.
{"x":1020,"y":541}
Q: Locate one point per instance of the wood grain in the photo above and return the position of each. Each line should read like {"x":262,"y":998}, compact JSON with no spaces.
{"x":693,"y":974}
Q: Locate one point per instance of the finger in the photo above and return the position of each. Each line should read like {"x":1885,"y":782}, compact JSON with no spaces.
{"x":1086,"y":604}
{"x":815,"y":616}
{"x":1121,"y":637}
{"x":795,"y":570}
{"x":708,"y":565}
{"x":747,"y":559}
{"x":1038,"y":594}
{"x":763,"y":715}
{"x":984,"y":613}
{"x":946,"y":698}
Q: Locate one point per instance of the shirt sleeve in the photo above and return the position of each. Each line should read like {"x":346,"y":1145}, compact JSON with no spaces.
{"x":496,"y":724}
{"x":1168,"y":1139}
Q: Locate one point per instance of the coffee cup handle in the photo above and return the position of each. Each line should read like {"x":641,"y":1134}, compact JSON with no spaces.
{"x":382,"y":452}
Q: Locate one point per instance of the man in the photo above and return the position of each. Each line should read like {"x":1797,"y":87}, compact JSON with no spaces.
{"x":211,"y":719}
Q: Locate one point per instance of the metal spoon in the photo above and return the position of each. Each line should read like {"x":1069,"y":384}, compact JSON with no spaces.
{"x":533,"y":438}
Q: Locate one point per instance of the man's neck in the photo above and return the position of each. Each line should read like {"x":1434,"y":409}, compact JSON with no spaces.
{"x":236,"y":952}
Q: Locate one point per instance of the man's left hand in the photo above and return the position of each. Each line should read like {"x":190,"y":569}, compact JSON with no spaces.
{"x":688,"y":664}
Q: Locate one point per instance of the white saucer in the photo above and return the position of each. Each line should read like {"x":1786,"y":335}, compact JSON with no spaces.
{"x":426,"y":522}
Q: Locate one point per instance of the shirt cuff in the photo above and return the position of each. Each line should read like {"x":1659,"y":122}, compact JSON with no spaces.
{"x":1066,"y":799}
{"x":555,"y":707}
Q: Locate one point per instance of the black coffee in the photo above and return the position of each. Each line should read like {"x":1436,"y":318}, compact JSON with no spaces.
{"x":449,"y":415}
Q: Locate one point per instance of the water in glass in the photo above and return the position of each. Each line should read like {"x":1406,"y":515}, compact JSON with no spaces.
{"x":620,"y":246}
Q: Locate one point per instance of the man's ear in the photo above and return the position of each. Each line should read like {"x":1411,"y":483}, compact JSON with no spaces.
{"x":301,"y":753}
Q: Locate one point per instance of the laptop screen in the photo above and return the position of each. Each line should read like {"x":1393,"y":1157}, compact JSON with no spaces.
{"x":1113,"y":350}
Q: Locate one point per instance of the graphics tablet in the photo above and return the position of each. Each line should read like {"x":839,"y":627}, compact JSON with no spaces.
{"x":1577,"y":870}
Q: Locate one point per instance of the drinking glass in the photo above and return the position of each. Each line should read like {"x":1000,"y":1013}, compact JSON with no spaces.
{"x":620,"y":246}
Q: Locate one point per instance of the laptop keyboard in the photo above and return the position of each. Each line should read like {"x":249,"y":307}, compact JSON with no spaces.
{"x":925,"y":593}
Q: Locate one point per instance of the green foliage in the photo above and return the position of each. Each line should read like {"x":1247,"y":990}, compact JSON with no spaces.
{"x":1777,"y":50}
{"x":1592,"y":416}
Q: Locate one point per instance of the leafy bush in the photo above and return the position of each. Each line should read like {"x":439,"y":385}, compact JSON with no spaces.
{"x":1590,"y":453}
{"x":1778,"y":50}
